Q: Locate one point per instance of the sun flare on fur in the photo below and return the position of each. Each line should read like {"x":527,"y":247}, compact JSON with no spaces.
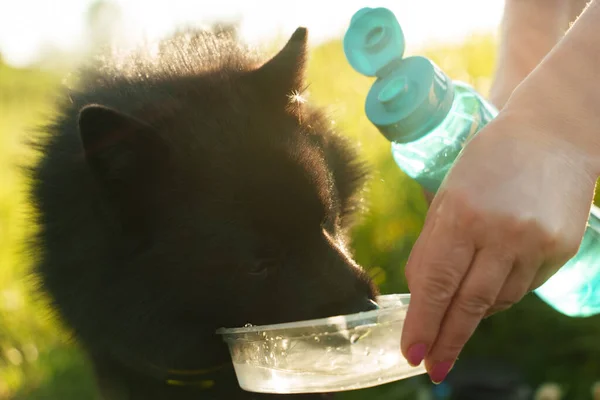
{"x":296,"y":98}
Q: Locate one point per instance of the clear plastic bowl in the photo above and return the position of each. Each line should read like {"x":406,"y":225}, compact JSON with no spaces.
{"x":323,"y":355}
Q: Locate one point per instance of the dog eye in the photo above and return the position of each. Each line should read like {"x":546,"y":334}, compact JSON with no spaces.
{"x":261,"y":267}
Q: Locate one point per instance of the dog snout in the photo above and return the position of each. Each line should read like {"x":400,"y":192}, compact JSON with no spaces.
{"x":371,"y":305}
{"x":350,"y":306}
{"x":365,"y":304}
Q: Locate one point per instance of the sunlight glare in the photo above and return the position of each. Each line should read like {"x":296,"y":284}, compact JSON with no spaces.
{"x":28,"y":27}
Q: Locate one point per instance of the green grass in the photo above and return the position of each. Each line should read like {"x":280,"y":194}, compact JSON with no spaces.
{"x":38,"y":361}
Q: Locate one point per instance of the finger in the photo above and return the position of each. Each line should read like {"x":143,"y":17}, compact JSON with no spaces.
{"x":438,"y":270}
{"x":429,"y":196}
{"x":414,"y":258}
{"x":517,"y":285}
{"x":546,"y":271}
{"x":477,"y":293}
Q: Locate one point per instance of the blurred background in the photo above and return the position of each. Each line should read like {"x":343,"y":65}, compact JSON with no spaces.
{"x":528,"y":348}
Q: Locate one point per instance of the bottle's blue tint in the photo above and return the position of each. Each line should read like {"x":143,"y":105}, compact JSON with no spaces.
{"x":429,"y":158}
{"x":428,"y":118}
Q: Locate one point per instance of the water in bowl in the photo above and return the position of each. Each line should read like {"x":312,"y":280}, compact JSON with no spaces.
{"x":348,"y":359}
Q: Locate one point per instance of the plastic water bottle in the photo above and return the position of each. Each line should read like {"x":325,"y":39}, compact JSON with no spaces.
{"x":429,"y":119}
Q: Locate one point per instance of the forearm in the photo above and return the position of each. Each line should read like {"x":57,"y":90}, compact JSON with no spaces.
{"x":529,"y":30}
{"x":576,"y":8}
{"x":562,"y":95}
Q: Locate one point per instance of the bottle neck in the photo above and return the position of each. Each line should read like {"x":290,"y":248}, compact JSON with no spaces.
{"x":420,"y":124}
{"x":412,"y":99}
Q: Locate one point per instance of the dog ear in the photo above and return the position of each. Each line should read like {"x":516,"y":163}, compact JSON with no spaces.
{"x":126,"y":156}
{"x":119,"y":148}
{"x":284,"y":74}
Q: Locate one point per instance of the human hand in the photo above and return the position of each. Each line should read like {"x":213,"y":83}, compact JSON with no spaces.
{"x":510,"y":213}
{"x":530,"y":29}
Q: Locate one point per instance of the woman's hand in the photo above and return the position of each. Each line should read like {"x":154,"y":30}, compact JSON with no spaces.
{"x":530,"y":29}
{"x":513,"y":208}
{"x":510,"y":213}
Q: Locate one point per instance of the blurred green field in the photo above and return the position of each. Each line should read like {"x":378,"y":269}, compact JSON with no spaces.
{"x":38,"y":361}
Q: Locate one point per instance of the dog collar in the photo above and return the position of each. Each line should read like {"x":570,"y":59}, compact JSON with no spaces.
{"x":203,"y":379}
{"x":199,"y":378}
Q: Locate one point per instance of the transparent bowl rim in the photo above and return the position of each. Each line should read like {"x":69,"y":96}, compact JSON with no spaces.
{"x":320,"y":321}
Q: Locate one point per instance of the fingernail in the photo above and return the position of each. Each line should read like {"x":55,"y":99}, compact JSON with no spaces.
{"x":416,"y":354}
{"x":440,"y":371}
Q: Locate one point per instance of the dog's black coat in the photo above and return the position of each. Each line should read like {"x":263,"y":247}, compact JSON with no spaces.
{"x":186,"y":191}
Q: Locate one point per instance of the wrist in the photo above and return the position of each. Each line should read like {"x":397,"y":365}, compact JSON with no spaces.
{"x":546,"y":122}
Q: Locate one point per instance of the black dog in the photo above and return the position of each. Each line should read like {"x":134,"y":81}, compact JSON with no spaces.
{"x":186,"y":191}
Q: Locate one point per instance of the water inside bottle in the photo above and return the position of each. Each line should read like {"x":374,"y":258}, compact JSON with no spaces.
{"x":575,"y":289}
{"x":428,"y":159}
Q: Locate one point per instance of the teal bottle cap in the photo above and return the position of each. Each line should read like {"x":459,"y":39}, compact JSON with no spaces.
{"x":373,"y":41}
{"x":410,"y":100}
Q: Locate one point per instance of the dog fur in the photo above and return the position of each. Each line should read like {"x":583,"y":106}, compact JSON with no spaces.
{"x":184,"y":189}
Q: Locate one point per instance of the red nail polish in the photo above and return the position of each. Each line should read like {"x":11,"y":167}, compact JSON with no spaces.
{"x":416,"y":354}
{"x":440,"y":371}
